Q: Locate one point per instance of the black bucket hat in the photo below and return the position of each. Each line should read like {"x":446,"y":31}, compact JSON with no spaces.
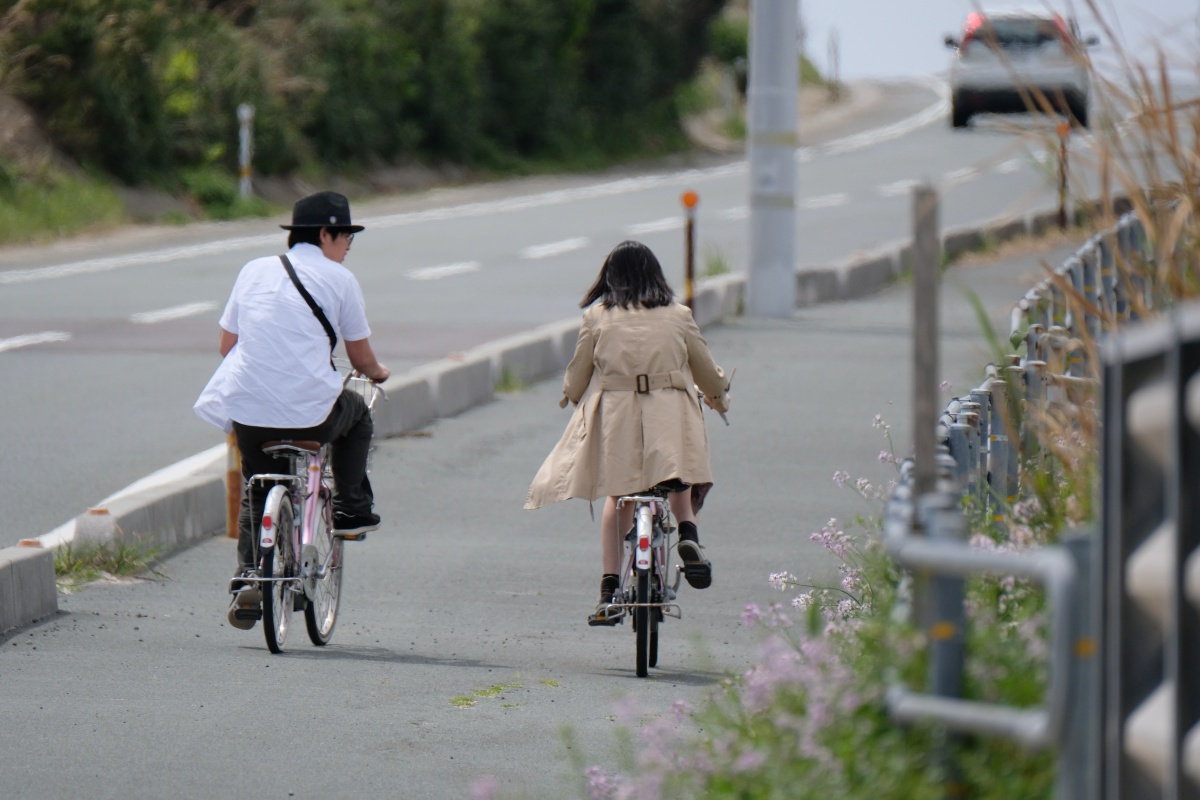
{"x":322,"y":210}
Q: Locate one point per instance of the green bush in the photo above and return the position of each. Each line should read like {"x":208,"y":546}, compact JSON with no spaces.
{"x":729,"y":39}
{"x":146,"y":89}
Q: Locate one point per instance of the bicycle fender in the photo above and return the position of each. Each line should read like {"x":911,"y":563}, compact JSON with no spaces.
{"x":644,"y":534}
{"x":275,"y":498}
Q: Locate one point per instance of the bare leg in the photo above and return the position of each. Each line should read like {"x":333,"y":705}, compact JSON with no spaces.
{"x":612,"y":522}
{"x":681,"y":506}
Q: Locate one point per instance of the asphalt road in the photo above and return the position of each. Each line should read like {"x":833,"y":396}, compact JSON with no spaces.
{"x":105,"y":343}
{"x":141,"y":690}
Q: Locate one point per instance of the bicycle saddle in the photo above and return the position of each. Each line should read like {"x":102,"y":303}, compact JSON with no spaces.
{"x":670,"y":487}
{"x":276,"y":445}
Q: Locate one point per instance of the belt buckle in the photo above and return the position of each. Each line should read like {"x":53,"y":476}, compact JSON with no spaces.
{"x":643,"y":384}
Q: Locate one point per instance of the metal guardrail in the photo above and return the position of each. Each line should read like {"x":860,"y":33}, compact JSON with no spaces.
{"x":980,"y":437}
{"x":1149,"y":733}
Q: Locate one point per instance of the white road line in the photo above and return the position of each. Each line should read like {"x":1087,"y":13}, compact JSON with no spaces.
{"x":858,"y":141}
{"x":898,"y":188}
{"x":929,"y":115}
{"x":1006,"y":167}
{"x":555,"y":248}
{"x":737,"y":212}
{"x":825,"y":201}
{"x":136,"y":259}
{"x":957,"y":176}
{"x":33,"y":338}
{"x":176,"y":312}
{"x":433,"y":273}
{"x":657,"y":226}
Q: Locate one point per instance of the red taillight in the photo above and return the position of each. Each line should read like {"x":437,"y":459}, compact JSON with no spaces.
{"x":267,"y":521}
{"x":974,"y":20}
{"x":644,"y":543}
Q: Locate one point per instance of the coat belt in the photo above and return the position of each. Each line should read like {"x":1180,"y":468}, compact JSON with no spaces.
{"x":645,"y":382}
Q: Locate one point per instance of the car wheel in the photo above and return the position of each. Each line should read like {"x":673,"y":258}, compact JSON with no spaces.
{"x":1079,"y":113}
{"x":959,"y":116}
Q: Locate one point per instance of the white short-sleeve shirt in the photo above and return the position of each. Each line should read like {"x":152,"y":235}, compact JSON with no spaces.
{"x":278,"y":374}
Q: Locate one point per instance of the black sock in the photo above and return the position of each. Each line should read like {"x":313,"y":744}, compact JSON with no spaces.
{"x":609,"y":584}
{"x":688,"y":532}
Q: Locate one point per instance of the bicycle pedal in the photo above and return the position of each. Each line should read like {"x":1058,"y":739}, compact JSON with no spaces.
{"x":352,"y":537}
{"x":254,"y":614}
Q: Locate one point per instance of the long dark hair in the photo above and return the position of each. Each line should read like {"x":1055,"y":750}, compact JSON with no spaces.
{"x":631,"y":276}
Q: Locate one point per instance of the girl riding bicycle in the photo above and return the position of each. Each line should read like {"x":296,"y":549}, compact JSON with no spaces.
{"x":637,"y":363}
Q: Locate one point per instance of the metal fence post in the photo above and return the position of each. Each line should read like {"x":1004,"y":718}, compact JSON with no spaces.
{"x":1079,"y":752}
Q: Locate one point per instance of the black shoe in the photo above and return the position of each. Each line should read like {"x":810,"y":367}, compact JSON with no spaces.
{"x":606,"y":613}
{"x":246,"y":607}
{"x":351,"y":526}
{"x":696,"y":568}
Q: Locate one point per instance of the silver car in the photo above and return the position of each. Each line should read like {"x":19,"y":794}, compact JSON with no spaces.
{"x":1016,"y":61}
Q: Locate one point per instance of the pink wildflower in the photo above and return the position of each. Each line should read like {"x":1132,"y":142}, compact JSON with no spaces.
{"x":484,"y":788}
{"x":751,"y":614}
{"x":781,"y":580}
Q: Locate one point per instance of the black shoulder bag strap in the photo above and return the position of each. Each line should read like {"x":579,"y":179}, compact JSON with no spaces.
{"x":316,"y":309}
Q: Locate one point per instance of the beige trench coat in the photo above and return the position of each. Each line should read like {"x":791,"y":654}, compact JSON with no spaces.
{"x":637,"y":421}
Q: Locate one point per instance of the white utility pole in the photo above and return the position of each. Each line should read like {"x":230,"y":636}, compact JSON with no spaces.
{"x":245,"y":115}
{"x":773,"y":87}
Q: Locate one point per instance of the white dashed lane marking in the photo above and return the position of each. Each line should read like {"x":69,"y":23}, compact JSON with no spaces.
{"x":30,"y":339}
{"x":825,"y":201}
{"x":446,"y":270}
{"x":898,"y":188}
{"x":955,"y":177}
{"x":657,"y":226}
{"x":175,"y":312}
{"x":555,"y":248}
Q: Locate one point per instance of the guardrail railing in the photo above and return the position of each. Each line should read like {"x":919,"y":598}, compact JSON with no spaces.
{"x":981,"y":437}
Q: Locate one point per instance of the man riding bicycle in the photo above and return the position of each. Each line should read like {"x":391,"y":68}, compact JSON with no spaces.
{"x":277,"y":379}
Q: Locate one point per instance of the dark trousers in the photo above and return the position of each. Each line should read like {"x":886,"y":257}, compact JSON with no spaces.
{"x":348,"y":428}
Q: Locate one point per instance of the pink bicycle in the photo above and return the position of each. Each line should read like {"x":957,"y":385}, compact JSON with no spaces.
{"x":300,"y":557}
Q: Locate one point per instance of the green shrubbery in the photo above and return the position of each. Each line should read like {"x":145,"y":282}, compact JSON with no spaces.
{"x":145,"y":89}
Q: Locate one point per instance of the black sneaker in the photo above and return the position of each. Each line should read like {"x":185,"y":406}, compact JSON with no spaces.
{"x":606,"y":614}
{"x":352,"y":526}
{"x":246,"y":607}
{"x":696,"y":568}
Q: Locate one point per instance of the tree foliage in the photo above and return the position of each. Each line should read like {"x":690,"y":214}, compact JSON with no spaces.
{"x":144,"y":89}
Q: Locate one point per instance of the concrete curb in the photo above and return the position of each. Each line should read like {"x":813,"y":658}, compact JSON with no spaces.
{"x":185,"y":503}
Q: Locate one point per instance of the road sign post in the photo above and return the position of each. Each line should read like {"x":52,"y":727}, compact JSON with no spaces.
{"x":245,"y":114}
{"x":1064,"y":131}
{"x":689,"y":199}
{"x":233,"y":486}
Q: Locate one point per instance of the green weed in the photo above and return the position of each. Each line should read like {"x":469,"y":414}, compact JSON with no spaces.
{"x":79,"y":564}
{"x":510,"y":382}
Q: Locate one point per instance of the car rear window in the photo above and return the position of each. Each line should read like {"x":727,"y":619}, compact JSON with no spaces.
{"x":1017,"y":32}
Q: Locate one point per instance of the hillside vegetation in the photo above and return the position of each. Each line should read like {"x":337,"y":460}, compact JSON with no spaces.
{"x":146,"y":91}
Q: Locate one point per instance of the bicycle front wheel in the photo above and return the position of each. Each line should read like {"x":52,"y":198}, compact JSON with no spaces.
{"x":277,"y":594}
{"x":320,"y":615}
{"x":642,"y":617}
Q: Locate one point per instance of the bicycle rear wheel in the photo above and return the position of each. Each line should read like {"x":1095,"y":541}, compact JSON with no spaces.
{"x":642,"y":623}
{"x":277,"y":594}
{"x":320,"y":614}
